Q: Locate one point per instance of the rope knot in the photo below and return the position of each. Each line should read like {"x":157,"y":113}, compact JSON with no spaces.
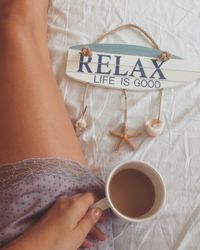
{"x":165,"y":56}
{"x":86,"y":52}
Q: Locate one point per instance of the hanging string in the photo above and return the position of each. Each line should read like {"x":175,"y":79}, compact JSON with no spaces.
{"x":126,"y":106}
{"x":126,"y":26}
{"x":81,"y":123}
{"x":126,"y":110}
{"x":164,"y":56}
{"x":84,"y":106}
{"x":155,"y":127}
{"x":160,"y":105}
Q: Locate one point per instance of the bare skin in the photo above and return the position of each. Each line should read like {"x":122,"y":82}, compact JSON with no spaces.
{"x":34,"y":122}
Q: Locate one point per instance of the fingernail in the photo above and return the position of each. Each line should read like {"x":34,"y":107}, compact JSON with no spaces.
{"x":96,"y":212}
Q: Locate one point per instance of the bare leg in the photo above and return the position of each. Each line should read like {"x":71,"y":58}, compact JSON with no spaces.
{"x":33,"y":118}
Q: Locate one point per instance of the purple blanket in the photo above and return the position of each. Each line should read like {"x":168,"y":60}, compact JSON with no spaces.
{"x":29,"y":187}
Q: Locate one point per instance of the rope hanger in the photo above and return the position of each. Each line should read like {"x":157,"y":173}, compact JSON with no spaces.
{"x":164,"y":55}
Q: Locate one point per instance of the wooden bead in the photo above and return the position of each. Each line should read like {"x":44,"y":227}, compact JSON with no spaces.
{"x":165,"y":56}
{"x":86,"y":52}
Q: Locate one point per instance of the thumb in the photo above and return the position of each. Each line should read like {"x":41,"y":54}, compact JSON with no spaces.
{"x":88,"y":222}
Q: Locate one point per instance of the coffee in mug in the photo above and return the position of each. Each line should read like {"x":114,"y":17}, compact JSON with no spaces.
{"x":135,"y":191}
{"x":132,"y":193}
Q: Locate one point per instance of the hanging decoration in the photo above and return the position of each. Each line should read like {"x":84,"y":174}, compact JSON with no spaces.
{"x":127,"y":67}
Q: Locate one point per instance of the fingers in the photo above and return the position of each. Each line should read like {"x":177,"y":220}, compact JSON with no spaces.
{"x":98,"y":234}
{"x":77,"y":206}
{"x":87,"y":223}
{"x":81,"y":204}
{"x":85,"y":200}
{"x":87,"y":244}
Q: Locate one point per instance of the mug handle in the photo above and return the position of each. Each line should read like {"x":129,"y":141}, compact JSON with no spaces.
{"x":103,"y":204}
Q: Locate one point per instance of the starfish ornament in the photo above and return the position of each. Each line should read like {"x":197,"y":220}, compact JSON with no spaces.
{"x":124,"y":136}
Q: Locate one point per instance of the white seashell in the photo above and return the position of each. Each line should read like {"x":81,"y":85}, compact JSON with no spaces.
{"x":154,"y":127}
{"x":81,"y":125}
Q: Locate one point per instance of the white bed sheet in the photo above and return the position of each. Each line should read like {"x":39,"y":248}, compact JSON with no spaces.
{"x":175,"y":25}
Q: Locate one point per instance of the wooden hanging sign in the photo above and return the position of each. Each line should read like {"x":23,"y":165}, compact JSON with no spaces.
{"x":128,"y":67}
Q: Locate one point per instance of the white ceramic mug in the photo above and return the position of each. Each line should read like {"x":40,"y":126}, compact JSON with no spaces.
{"x":154,"y":177}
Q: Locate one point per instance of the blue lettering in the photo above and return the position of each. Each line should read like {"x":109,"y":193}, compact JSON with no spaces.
{"x":140,"y":69}
{"x":100,"y":63}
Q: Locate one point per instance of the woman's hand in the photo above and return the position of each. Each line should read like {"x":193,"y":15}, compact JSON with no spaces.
{"x":64,"y":227}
